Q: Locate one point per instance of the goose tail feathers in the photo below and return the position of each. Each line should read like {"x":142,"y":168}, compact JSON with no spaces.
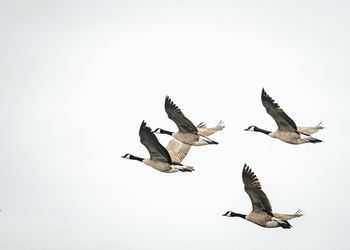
{"x":185,"y":168}
{"x":314,"y":140}
{"x":284,"y":224}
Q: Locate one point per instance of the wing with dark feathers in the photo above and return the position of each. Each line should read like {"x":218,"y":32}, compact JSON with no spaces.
{"x":150,"y":141}
{"x":284,"y":122}
{"x":202,"y":125}
{"x":175,"y":114}
{"x":252,"y":186}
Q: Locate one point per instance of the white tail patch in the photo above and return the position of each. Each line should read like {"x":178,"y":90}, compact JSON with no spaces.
{"x":272,"y":224}
{"x":305,"y":137}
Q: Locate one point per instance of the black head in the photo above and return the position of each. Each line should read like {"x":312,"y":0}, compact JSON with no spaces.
{"x":126,"y":156}
{"x":162,"y":131}
{"x":157,"y":131}
{"x":250,"y":128}
{"x":233,"y":214}
{"x":228,"y":214}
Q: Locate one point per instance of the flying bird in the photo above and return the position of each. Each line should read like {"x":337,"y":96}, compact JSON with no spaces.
{"x":188,"y":133}
{"x":261,"y":214}
{"x":167,"y":160}
{"x":287,"y":130}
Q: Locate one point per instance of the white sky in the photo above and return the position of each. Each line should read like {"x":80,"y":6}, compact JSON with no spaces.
{"x":78,"y":77}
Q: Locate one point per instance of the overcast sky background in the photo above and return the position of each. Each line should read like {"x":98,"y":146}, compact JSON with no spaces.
{"x":78,"y":77}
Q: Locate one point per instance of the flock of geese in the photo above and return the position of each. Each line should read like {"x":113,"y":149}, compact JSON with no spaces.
{"x":169,"y":159}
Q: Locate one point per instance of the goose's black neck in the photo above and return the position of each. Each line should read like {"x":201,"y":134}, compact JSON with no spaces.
{"x":162,"y":131}
{"x":132,"y":157}
{"x":238,"y":215}
{"x":261,"y":130}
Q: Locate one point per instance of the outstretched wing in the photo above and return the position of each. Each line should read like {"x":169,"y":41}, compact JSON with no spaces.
{"x":288,"y":216}
{"x":203,"y":130}
{"x":177,"y":150}
{"x":284,"y":122}
{"x":310,"y":130}
{"x":252,"y":186}
{"x":150,"y":141}
{"x":175,"y":114}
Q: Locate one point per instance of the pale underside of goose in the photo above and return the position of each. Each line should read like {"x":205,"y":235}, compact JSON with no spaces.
{"x":162,"y":159}
{"x":261,"y":213}
{"x":188,"y":133}
{"x":287,"y":130}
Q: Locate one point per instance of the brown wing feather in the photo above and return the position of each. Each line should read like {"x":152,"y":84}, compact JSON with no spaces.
{"x":284,"y":122}
{"x":252,"y":186}
{"x":288,"y":216}
{"x":177,"y":150}
{"x":150,"y":141}
{"x":175,"y":114}
{"x":203,"y":130}
{"x":310,"y":130}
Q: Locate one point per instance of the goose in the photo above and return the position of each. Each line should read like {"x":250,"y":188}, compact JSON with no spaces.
{"x":261,"y":214}
{"x":287,"y":130}
{"x":188,"y":133}
{"x":167,"y":160}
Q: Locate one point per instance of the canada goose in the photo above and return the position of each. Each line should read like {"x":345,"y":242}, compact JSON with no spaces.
{"x":262,"y":212}
{"x":162,"y":159}
{"x":188,"y":133}
{"x":287,"y":130}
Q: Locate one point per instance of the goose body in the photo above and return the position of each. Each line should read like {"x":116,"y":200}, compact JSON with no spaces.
{"x":293,"y":137}
{"x":287,"y":130}
{"x":167,"y":160}
{"x":192,"y":139}
{"x":188,"y":133}
{"x":261,"y":213}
